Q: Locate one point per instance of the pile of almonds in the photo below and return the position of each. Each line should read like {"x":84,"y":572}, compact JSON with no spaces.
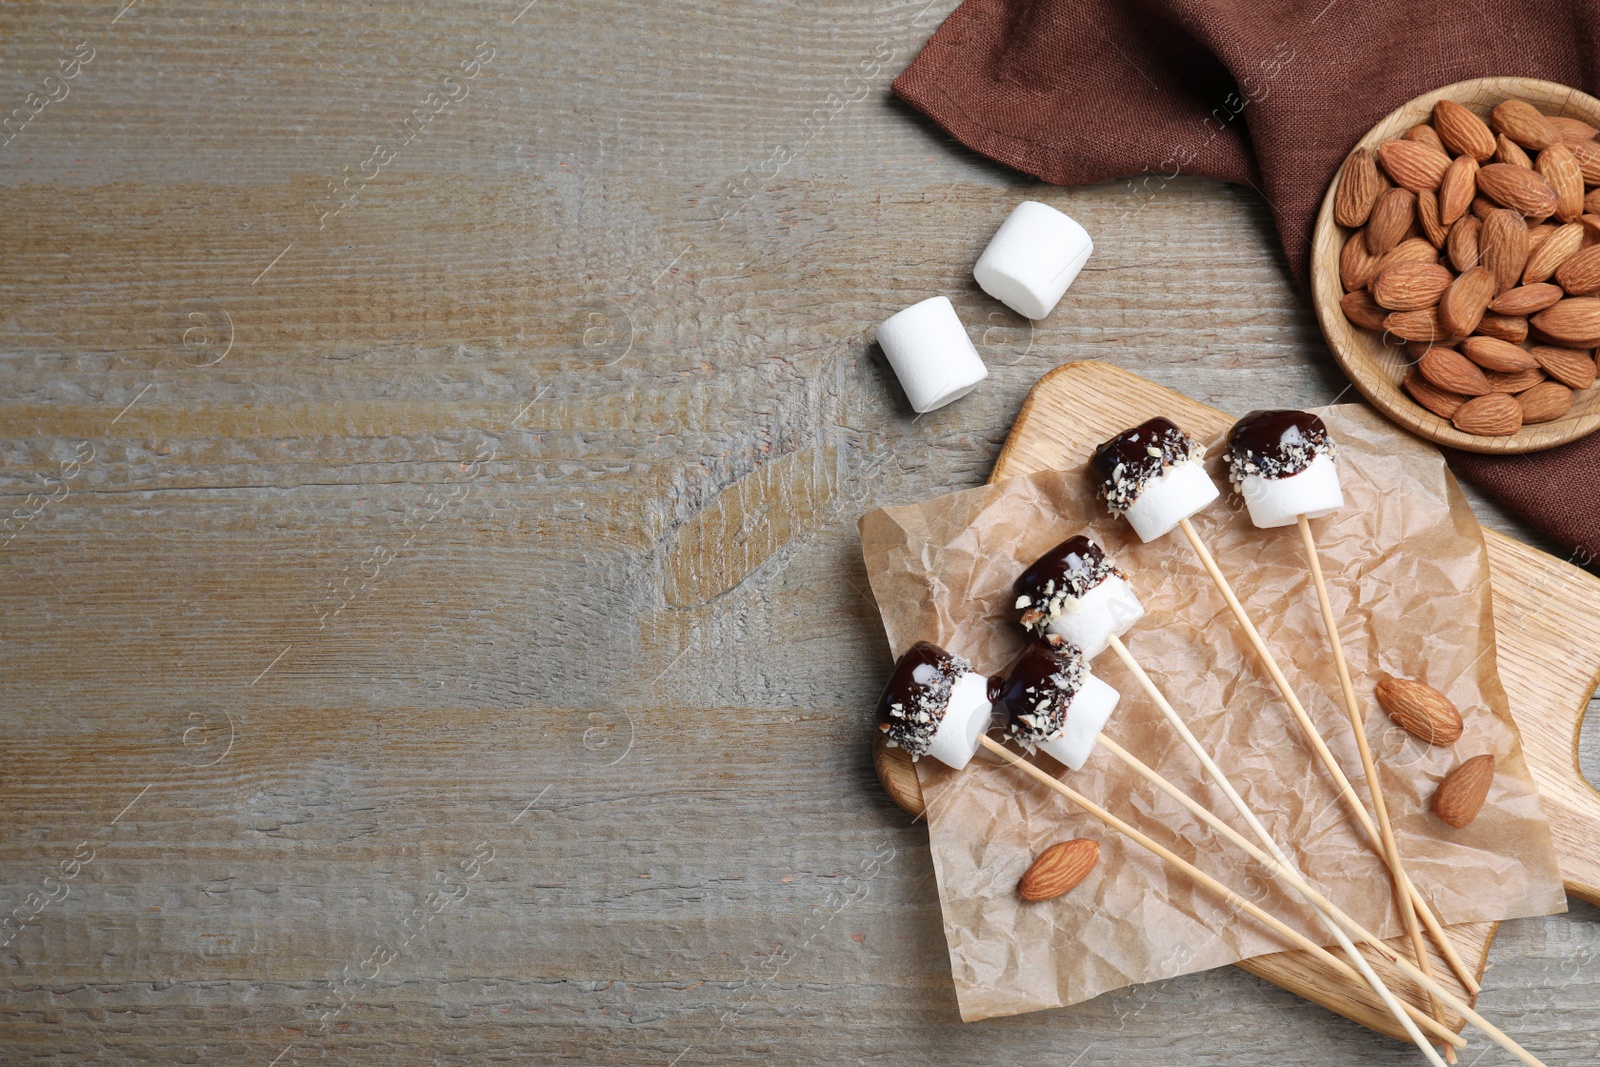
{"x":1471,"y":240}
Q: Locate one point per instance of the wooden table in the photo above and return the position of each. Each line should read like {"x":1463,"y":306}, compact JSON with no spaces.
{"x":435,"y":630}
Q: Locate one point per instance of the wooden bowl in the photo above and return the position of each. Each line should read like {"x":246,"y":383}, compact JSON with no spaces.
{"x":1376,"y":369}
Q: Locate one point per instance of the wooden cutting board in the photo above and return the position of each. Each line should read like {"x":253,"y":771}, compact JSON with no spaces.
{"x":1547,"y":624}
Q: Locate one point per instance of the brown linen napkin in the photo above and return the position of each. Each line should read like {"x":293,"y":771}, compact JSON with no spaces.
{"x":1266,"y":93}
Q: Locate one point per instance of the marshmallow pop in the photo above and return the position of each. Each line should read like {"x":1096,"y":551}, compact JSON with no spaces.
{"x":1074,"y":591}
{"x":1153,"y":475}
{"x":1283,"y":464}
{"x":935,"y":705}
{"x":1053,"y":703}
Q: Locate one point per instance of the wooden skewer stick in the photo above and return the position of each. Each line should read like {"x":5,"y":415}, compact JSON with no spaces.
{"x":1318,"y":745}
{"x":1216,"y":774}
{"x":1291,"y":876}
{"x":1368,"y":767}
{"x":1389,"y":1000}
{"x":1277,"y":926}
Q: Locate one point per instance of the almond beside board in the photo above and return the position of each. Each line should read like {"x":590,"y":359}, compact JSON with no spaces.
{"x":1059,"y":868}
{"x":1460,"y":796}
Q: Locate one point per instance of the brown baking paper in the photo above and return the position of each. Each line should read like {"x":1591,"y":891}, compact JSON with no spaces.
{"x":1409,"y":580}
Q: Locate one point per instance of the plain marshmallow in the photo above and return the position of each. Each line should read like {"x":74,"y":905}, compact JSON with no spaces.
{"x":931,"y":354}
{"x":1086,"y":717}
{"x":1313,"y":492}
{"x":966,"y":718}
{"x":1170,"y":497}
{"x":1092,"y":620}
{"x":1032,"y":258}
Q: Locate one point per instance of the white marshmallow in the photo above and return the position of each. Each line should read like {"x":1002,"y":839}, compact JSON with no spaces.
{"x":1170,"y":497}
{"x":1090,"y":621}
{"x":1032,"y":258}
{"x":1086,"y":717}
{"x":1313,"y":492}
{"x":931,"y":354}
{"x":966,"y":718}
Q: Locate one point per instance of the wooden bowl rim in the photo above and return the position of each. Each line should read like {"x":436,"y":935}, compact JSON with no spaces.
{"x":1326,"y":291}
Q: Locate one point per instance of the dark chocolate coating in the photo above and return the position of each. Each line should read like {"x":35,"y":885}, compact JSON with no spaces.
{"x":1275,"y":444}
{"x":1038,"y":688}
{"x":1068,"y":570}
{"x":1123,"y":465}
{"x":914,"y":702}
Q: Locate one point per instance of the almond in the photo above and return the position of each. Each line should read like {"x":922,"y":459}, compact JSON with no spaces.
{"x":1526,"y":299}
{"x":1558,"y":166}
{"x":1514,"y":382}
{"x":1413,"y":165}
{"x":1512,"y":329}
{"x":1524,"y":191}
{"x":1506,"y":151}
{"x":1058,"y":869}
{"x":1420,"y":710}
{"x":1359,"y":307}
{"x":1392,"y":215}
{"x":1453,"y":372}
{"x":1457,"y":188}
{"x":1420,"y":325}
{"x":1491,"y":353}
{"x":1545,"y":402}
{"x":1411,"y":250}
{"x":1439,"y":401}
{"x":1571,"y":131}
{"x":1495,"y":415}
{"x":1571,"y":323}
{"x":1428,"y":216}
{"x":1482,"y":205}
{"x":1465,"y":301}
{"x":1537,"y":232}
{"x":1412,"y":286}
{"x":1359,"y":185}
{"x":1588,"y":157}
{"x":1357,"y":265}
{"x":1557,"y":245}
{"x":1460,"y":796}
{"x":1463,"y":132}
{"x":1503,"y":245}
{"x":1423,"y":133}
{"x":1524,"y":124}
{"x":1591,"y":228}
{"x":1463,"y":242}
{"x":1579,"y":274}
{"x":1591,"y":201}
{"x":1572,"y":367}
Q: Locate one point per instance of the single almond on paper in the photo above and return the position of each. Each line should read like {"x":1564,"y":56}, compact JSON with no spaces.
{"x":1462,"y":244}
{"x":1571,"y":323}
{"x":1453,"y":372}
{"x":1414,"y":286}
{"x":1570,"y":130}
{"x":1545,"y":402}
{"x":1579,"y":274}
{"x":1441,"y":402}
{"x":1359,"y":185}
{"x":1463,"y":132}
{"x":1457,"y":188}
{"x":1495,"y":415}
{"x":1512,"y":329}
{"x":1413,"y":165}
{"x":1519,"y":381}
{"x":1524,"y":124}
{"x":1509,"y":152}
{"x":1522,"y":190}
{"x":1503,"y":247}
{"x":1420,"y":710}
{"x":1392,"y":215}
{"x":1491,"y":353}
{"x":1558,"y":245}
{"x":1558,"y":166}
{"x":1357,"y":265}
{"x":1526,"y":299}
{"x":1058,"y":869}
{"x":1460,"y":796}
{"x":1420,"y":325}
{"x":1588,"y":157}
{"x":1572,"y":367}
{"x":1464,"y":302}
{"x":1359,"y":307}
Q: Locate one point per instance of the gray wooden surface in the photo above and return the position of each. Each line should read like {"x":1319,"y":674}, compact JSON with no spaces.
{"x":443,"y":638}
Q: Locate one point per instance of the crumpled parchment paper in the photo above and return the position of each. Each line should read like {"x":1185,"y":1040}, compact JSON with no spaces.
{"x":1409,"y":580}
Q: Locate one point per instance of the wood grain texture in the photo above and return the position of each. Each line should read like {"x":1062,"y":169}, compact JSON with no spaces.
{"x":1375,"y":368}
{"x":637,"y":268}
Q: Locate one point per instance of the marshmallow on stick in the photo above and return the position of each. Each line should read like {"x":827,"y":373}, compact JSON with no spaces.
{"x":1283,"y":464}
{"x":1042,"y":684}
{"x":935,"y":705}
{"x":1159,"y":468}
